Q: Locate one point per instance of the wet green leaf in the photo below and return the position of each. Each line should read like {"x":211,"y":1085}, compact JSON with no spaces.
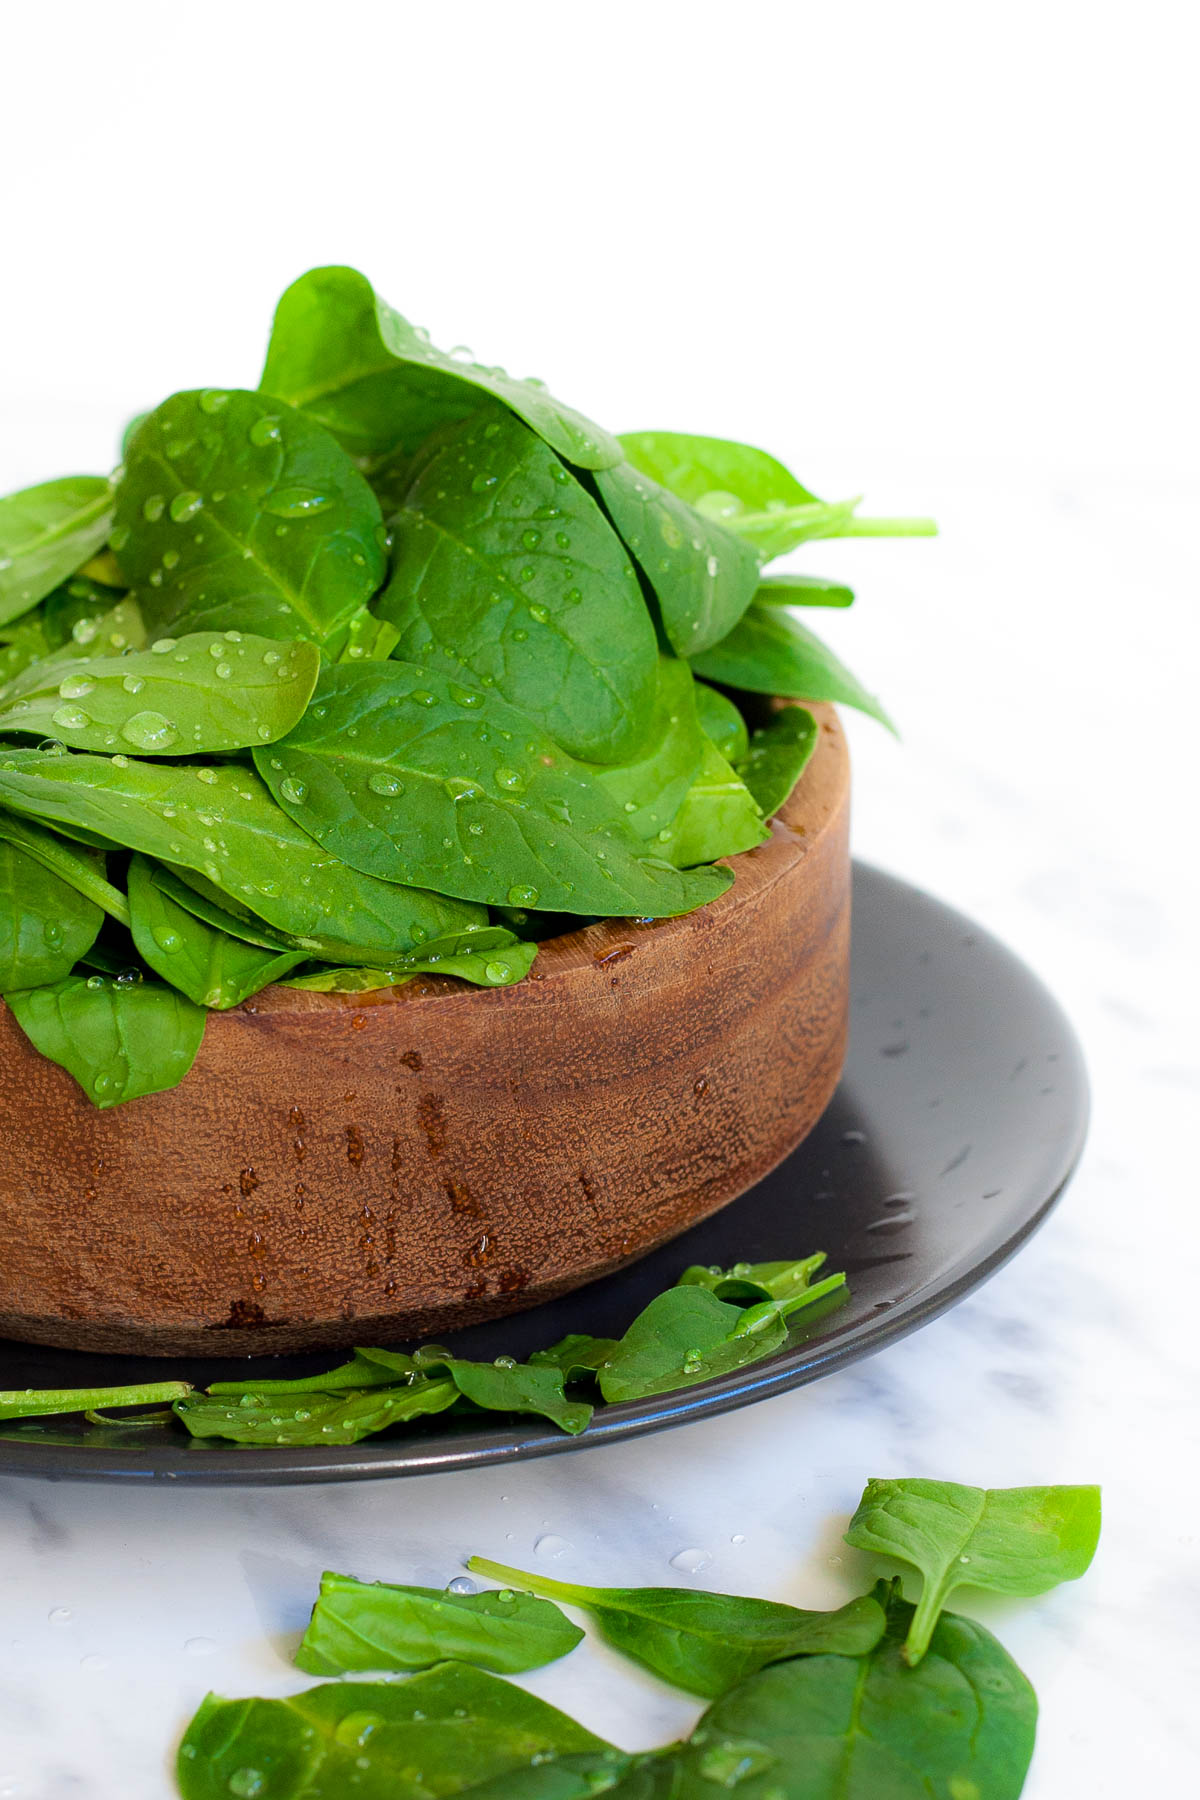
{"x":207,"y":965}
{"x":719,"y":815}
{"x":769,"y":652}
{"x":238,"y":513}
{"x":313,"y":1418}
{"x":346,"y":358}
{"x":119,"y":1039}
{"x":777,"y":757}
{"x":32,"y":1403}
{"x":47,"y":533}
{"x":377,"y":1625}
{"x":45,"y":925}
{"x":721,"y":721}
{"x":504,"y":565}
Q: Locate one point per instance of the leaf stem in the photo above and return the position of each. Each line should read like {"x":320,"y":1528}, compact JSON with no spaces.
{"x":31,"y":1403}
{"x":892,"y":528}
{"x":521,"y":1578}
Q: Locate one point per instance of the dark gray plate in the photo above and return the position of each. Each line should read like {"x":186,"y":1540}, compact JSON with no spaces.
{"x":959,"y":1119}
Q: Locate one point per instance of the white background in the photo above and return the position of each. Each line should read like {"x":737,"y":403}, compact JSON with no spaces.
{"x":939,"y":253}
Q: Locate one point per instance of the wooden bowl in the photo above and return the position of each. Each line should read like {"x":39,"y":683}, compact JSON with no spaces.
{"x":374,"y":1167}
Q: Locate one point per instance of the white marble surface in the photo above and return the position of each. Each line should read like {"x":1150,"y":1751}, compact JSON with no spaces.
{"x":1041,"y":659}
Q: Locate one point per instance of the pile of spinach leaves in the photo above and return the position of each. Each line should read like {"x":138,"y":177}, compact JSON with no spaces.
{"x":710,"y":1323}
{"x":876,"y":1700}
{"x":349,"y":678}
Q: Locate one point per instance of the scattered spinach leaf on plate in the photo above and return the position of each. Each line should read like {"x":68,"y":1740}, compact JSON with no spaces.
{"x":40,"y":1403}
{"x":1009,"y":1540}
{"x":370,"y":1625}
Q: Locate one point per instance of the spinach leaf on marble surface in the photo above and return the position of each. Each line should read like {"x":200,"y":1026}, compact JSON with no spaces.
{"x":769,"y":652}
{"x":376,"y":1625}
{"x":1009,"y":1540}
{"x":436,"y":1734}
{"x":237,"y":513}
{"x":959,"y":1727}
{"x":346,"y":358}
{"x":47,"y":533}
{"x":703,"y":576}
{"x":408,"y":776}
{"x":202,"y":694}
{"x":704,"y":1642}
{"x":119,"y":1038}
{"x":505,"y":567}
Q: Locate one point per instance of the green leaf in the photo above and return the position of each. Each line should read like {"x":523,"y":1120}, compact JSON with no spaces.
{"x":650,"y":789}
{"x":207,"y":965}
{"x":777,"y":757}
{"x":1009,"y":1540}
{"x":703,"y":577}
{"x":432,"y":1736}
{"x":747,"y":1283}
{"x":961,"y":1727}
{"x":237,"y":513}
{"x":119,"y":1039}
{"x":346,"y":358}
{"x":492,"y":957}
{"x":501,"y":1386}
{"x":109,"y":633}
{"x":684,"y":1336}
{"x":505,"y":565}
{"x":38,"y":1403}
{"x":359,"y":1372}
{"x":312,"y":1418}
{"x":45,"y":925}
{"x":802,"y":590}
{"x":769,"y":652}
{"x":705,"y":1642}
{"x":721,"y":720}
{"x":408,"y":776}
{"x":47,"y":533}
{"x":719,"y":815}
{"x":222,"y":823}
{"x":363,"y":636}
{"x":76,"y":602}
{"x":752,"y":494}
{"x":370,"y":1625}
{"x":579,"y":1356}
{"x":22,"y":642}
{"x":197,"y":695}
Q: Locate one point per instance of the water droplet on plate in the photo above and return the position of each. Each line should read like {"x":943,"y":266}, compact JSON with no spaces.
{"x":690,"y":1562}
{"x":550,"y":1545}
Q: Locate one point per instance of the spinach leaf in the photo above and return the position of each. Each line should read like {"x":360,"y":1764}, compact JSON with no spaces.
{"x":752,"y":494}
{"x":362,"y":636}
{"x":46,"y":533}
{"x":492,"y":957}
{"x":369,"y":1625}
{"x":38,"y":1403}
{"x":704,"y":1642}
{"x":769,"y":652}
{"x":651,"y":788}
{"x":358,"y":1373}
{"x":22,"y":642}
{"x":311,"y":1417}
{"x":109,"y":633}
{"x":719,"y":815}
{"x":207,"y":965}
{"x":407,"y":776}
{"x":579,"y":1356}
{"x":1009,"y":1540}
{"x":501,"y":1386}
{"x":504,"y":565}
{"x":237,"y":513}
{"x":777,"y":757}
{"x":748,"y":1283}
{"x":80,"y":865}
{"x":721,"y":721}
{"x":580,"y":1778}
{"x":435,"y":1735}
{"x":119,"y":1039}
{"x":222,"y":823}
{"x":208,"y":692}
{"x":961,"y":1727}
{"x":684,"y":1336}
{"x":75,"y":602}
{"x":702,"y":576}
{"x":802,"y":590}
{"x":376,"y":382}
{"x":45,"y":925}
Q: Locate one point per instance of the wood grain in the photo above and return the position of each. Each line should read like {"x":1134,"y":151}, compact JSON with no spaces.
{"x":371,"y":1167}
